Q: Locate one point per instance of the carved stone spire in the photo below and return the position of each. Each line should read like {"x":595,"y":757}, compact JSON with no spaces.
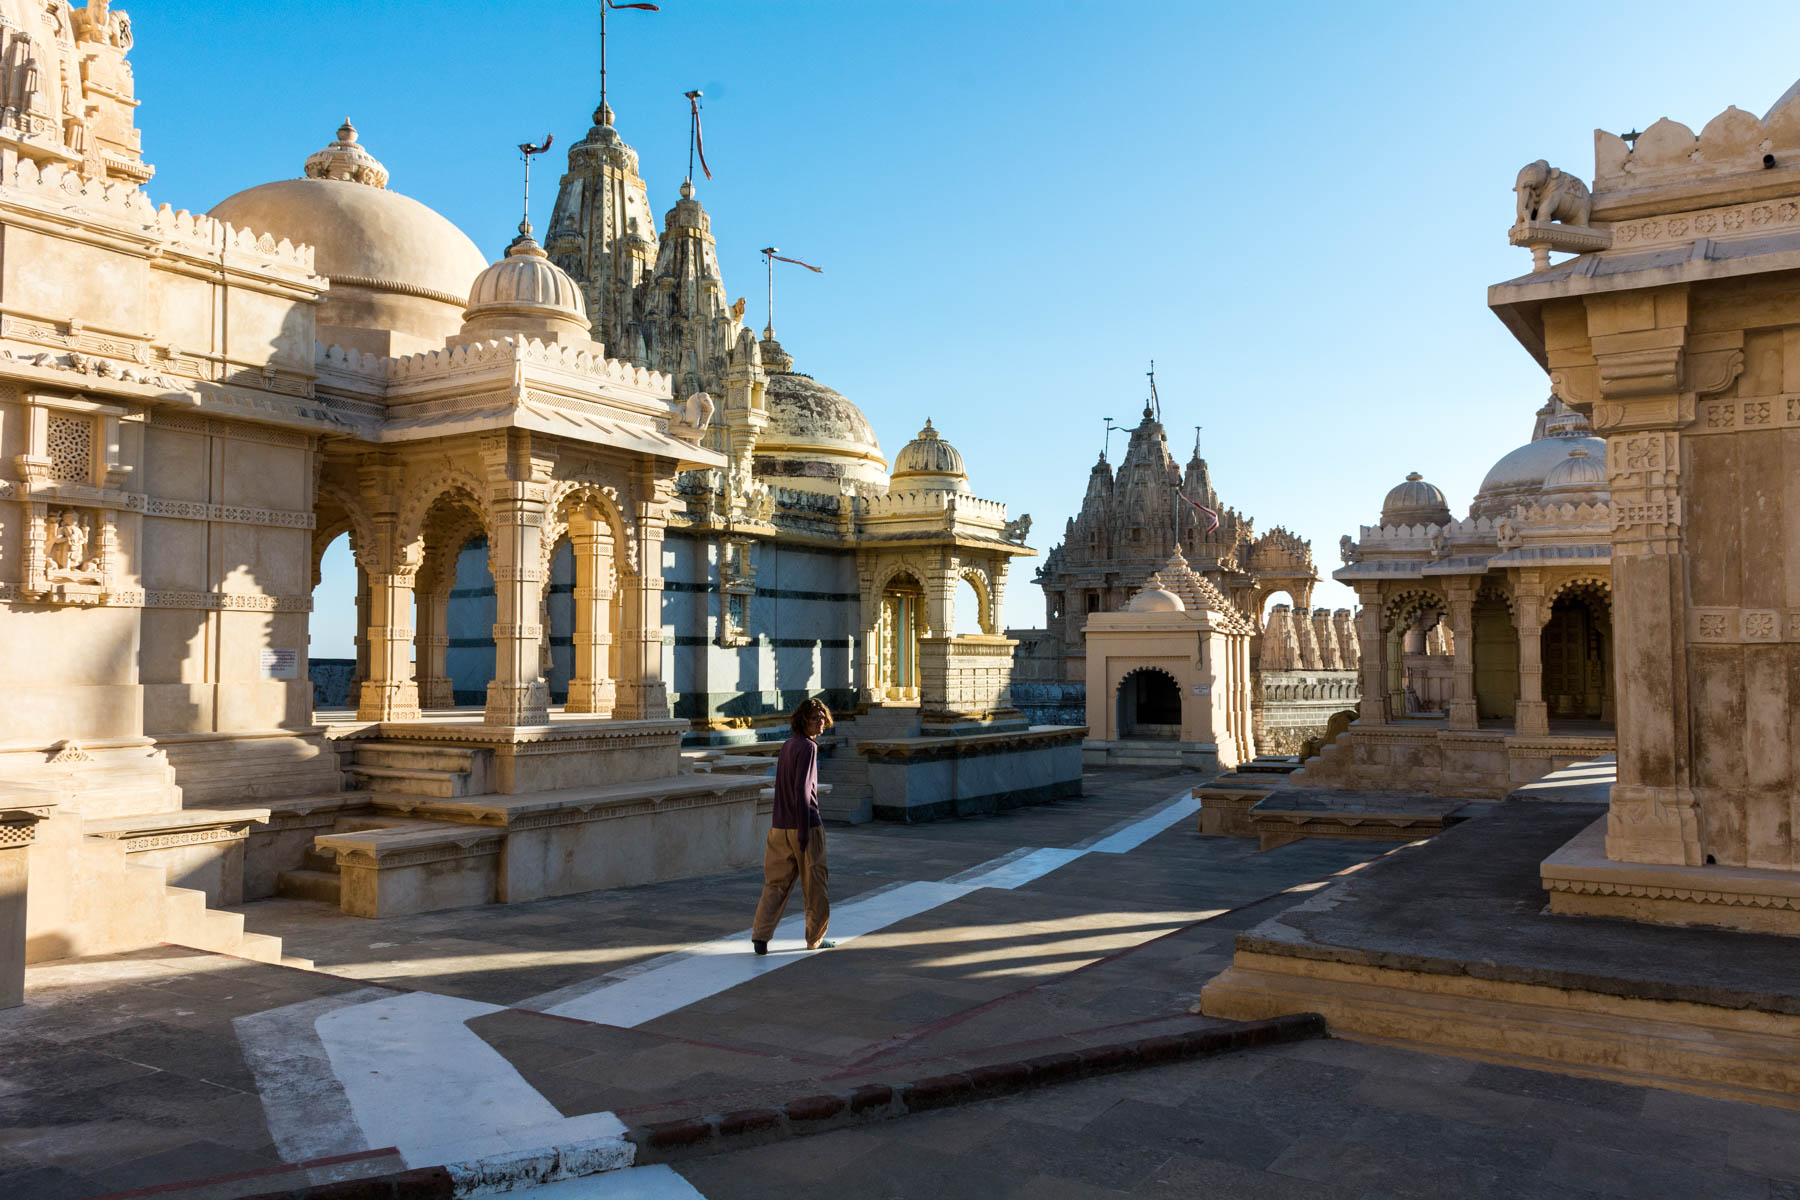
{"x":601,"y":232}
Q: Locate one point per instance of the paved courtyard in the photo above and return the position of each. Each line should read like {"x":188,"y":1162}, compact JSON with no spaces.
{"x":471,"y":1035}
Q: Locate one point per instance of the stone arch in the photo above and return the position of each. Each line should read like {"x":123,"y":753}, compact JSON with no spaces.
{"x":978,"y":578}
{"x":341,"y":510}
{"x":425,"y":495}
{"x":1576,"y":649}
{"x":607,"y":503}
{"x":1148,"y":704}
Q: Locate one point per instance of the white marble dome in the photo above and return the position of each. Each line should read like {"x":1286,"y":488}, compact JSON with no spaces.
{"x":1415,"y":502}
{"x":929,"y":464}
{"x":399,"y":272}
{"x":526,"y":294}
{"x":1156,"y":599}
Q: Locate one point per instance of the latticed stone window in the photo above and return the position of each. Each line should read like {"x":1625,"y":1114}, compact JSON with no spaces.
{"x":71,"y":447}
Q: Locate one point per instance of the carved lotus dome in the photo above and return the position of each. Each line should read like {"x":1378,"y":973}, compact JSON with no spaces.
{"x":1155,"y":598}
{"x":929,"y":464}
{"x":1415,"y":502}
{"x":525,"y":294}
{"x":1580,"y":478}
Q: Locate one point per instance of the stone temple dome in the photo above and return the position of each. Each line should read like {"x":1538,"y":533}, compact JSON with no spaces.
{"x":399,"y":272}
{"x":816,"y":439}
{"x":1415,"y":502}
{"x":525,"y":294}
{"x":929,"y":464}
{"x":1519,"y":475}
{"x":1155,"y":598}
{"x":1578,"y":479}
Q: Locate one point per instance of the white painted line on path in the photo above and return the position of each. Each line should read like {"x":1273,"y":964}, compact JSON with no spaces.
{"x":663,"y":985}
{"x":303,"y":1102}
{"x":420,"y":1080}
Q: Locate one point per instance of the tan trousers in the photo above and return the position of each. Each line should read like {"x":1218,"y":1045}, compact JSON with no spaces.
{"x":784,"y":862}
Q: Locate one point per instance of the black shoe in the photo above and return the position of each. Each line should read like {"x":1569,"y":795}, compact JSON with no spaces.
{"x":760,"y":946}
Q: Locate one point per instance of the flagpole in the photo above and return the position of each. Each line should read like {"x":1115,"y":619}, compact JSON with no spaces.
{"x":602,"y":54}
{"x":769,"y":260}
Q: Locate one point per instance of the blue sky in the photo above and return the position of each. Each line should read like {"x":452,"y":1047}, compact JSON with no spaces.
{"x":1294,"y":209}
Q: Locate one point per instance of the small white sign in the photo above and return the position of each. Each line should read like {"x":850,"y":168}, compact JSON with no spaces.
{"x":1202,"y":690}
{"x":280,"y":664}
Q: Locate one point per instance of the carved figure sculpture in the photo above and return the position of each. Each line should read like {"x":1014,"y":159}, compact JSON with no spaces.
{"x":737,"y":310}
{"x":1547,"y":194}
{"x":66,"y":545}
{"x":1019,"y":530}
{"x":696,"y":415}
{"x":1347,"y":549}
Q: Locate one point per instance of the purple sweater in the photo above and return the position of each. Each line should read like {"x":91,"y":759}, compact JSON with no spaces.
{"x":797,"y":786}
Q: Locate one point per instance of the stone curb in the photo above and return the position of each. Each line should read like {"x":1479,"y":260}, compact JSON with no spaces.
{"x":717,"y":1133}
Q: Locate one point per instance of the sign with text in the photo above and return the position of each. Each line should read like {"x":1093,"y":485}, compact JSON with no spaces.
{"x":280,"y":664}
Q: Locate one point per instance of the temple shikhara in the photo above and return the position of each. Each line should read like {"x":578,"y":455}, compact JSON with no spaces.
{"x":1155,"y":525}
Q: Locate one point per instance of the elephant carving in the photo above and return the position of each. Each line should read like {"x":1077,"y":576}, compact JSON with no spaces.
{"x":1547,"y":194}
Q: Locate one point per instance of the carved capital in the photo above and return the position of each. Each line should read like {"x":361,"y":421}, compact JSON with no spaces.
{"x":1650,"y":371}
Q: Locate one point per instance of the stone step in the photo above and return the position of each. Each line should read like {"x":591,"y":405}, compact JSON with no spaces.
{"x":408,"y":781}
{"x":310,"y":884}
{"x":414,"y":756}
{"x":316,"y":860}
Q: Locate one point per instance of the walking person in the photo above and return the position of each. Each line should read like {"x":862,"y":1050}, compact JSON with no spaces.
{"x":796,"y":844}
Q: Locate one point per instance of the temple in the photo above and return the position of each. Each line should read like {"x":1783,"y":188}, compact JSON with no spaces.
{"x":599,"y":528}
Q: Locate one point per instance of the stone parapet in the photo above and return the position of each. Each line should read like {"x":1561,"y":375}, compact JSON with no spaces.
{"x":927,"y":778}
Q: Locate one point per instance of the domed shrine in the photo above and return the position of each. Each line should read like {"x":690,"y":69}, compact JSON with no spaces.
{"x":593,"y":518}
{"x":1487,"y":641}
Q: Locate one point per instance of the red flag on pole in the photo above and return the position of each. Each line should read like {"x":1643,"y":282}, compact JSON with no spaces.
{"x":699,"y":141}
{"x":798,"y":263}
{"x":1210,"y":514}
{"x":646,"y":7}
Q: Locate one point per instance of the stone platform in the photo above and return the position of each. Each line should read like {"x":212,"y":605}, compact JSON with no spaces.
{"x":1290,"y":814}
{"x":1447,"y":946}
{"x":914,"y":779}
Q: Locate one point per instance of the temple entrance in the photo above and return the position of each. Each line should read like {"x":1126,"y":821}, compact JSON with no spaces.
{"x":333,"y":644}
{"x":1149,"y":705}
{"x":1578,"y":656}
{"x":1496,"y":659}
{"x":897,"y":639}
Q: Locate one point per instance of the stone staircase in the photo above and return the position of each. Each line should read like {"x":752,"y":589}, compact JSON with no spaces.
{"x":416,"y":769}
{"x":851,"y":800}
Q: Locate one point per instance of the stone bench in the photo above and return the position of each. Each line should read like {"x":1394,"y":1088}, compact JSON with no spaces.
{"x":1291,"y":814}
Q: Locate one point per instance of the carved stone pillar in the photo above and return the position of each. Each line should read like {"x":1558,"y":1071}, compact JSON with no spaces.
{"x":389,"y":694}
{"x":1640,"y":378}
{"x":361,"y":672}
{"x":518,"y":693}
{"x":1462,"y":666}
{"x":642,"y":694}
{"x":1530,"y":714}
{"x":869,"y":685}
{"x":18,"y":828}
{"x":1372,"y":638}
{"x":591,"y":687}
{"x":431,"y":643}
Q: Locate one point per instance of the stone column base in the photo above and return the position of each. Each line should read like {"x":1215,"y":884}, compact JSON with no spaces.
{"x":1583,"y":881}
{"x":517,"y":703}
{"x":18,"y":829}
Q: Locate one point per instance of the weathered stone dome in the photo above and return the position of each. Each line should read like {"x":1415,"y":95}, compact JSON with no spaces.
{"x":399,"y":272}
{"x":1579,"y":478}
{"x":1519,"y":476}
{"x":525,"y":294}
{"x":1155,"y":598}
{"x":929,"y":464}
{"x":816,"y":440}
{"x":1415,"y":502}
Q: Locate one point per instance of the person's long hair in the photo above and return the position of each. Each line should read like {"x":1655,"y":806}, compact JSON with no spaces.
{"x":807,"y":709}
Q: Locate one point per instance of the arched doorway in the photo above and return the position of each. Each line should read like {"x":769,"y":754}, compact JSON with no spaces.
{"x":1496,"y":659}
{"x":1577,"y":655}
{"x":1408,"y":670}
{"x":1149,"y":705}
{"x":897,"y":638}
{"x":333,"y":646}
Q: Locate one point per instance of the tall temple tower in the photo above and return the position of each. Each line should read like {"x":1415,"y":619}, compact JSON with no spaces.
{"x":603,"y":235}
